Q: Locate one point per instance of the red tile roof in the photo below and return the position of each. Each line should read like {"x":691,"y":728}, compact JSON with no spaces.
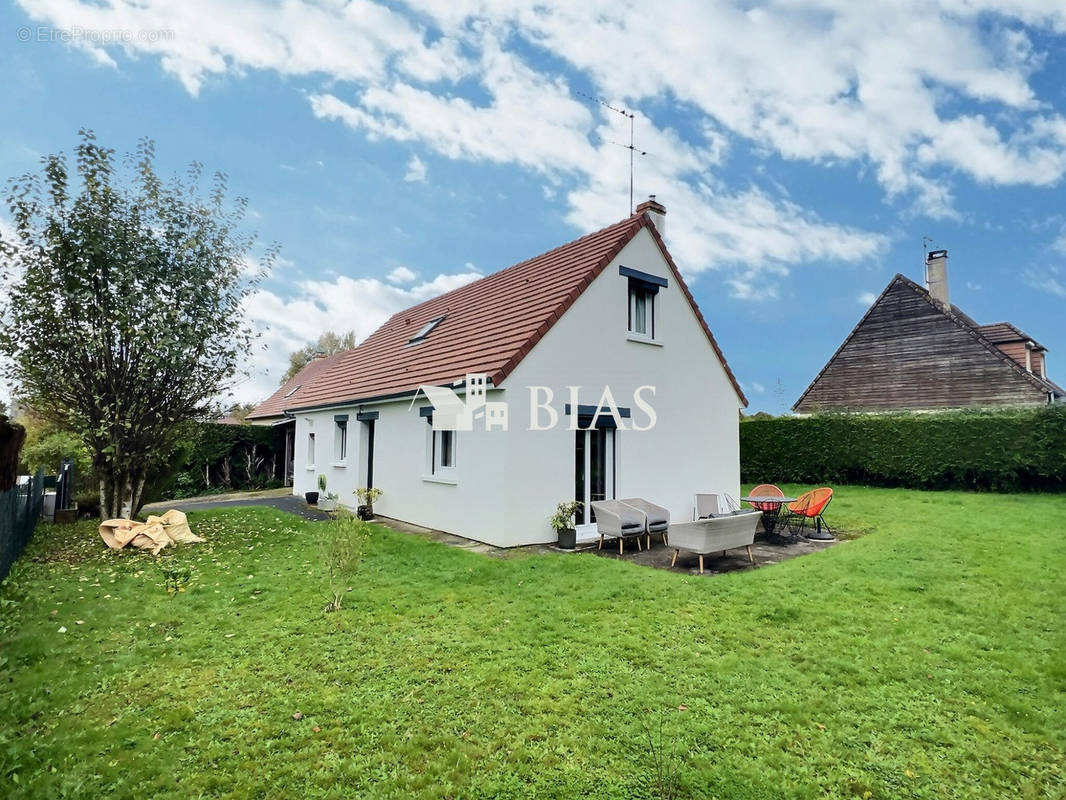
{"x":289,"y":393}
{"x":489,"y":326}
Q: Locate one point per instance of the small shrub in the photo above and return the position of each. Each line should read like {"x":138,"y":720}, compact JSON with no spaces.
{"x":175,"y":578}
{"x":664,"y":772}
{"x":343,"y":547}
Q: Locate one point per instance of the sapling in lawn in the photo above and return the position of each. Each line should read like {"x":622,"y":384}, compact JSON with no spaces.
{"x":344,"y":544}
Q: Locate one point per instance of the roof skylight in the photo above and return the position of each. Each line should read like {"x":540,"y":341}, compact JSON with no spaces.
{"x":426,"y":330}
{"x":293,"y":390}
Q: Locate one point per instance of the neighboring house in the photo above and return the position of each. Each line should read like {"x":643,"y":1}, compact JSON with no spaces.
{"x":607,"y":310}
{"x":272,"y":410}
{"x":914,"y":350}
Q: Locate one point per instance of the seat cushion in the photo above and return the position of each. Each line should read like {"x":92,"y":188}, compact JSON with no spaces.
{"x":657,"y":527}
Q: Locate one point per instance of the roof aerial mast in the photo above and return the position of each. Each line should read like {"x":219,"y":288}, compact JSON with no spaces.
{"x":631,"y":147}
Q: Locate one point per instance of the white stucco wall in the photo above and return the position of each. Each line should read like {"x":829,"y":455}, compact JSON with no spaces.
{"x":507,"y":484}
{"x":695,"y":445}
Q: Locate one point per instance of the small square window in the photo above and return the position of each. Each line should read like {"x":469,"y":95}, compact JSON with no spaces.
{"x":442,"y":454}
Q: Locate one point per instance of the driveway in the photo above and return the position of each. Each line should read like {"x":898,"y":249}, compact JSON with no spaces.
{"x":282,"y":500}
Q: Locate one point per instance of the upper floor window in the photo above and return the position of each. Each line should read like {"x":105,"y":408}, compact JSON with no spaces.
{"x":641,"y":311}
{"x":643,"y":301}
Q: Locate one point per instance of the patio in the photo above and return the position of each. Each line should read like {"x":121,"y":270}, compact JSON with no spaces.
{"x":765,"y":551}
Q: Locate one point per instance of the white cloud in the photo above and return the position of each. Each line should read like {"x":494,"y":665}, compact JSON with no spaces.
{"x":401,"y":275}
{"x":866,"y":298}
{"x":416,"y":170}
{"x":316,"y":306}
{"x":892,"y":88}
{"x":1059,"y":245}
{"x":1047,"y":280}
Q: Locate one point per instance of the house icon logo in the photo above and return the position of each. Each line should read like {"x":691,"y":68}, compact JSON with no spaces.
{"x":453,"y":413}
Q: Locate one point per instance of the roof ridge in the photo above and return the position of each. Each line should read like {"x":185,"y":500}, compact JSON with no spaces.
{"x":495,"y":274}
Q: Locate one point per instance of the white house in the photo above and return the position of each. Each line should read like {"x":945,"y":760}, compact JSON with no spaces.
{"x":607,"y":312}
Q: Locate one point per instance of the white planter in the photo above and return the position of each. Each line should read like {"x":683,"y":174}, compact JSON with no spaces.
{"x":327,"y":505}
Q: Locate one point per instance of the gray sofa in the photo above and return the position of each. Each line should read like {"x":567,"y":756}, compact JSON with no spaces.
{"x":715,"y":534}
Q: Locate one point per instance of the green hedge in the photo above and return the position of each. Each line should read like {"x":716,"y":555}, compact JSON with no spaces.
{"x":214,"y":458}
{"x":1000,"y":450}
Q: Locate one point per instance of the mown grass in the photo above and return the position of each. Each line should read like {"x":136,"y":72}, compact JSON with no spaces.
{"x":923,"y":659}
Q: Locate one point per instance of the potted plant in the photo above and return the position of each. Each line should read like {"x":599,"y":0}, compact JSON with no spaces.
{"x":312,"y":497}
{"x":563,"y":523}
{"x":366,"y":496}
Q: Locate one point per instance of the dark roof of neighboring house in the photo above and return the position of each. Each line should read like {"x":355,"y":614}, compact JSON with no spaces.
{"x":1003,"y":332}
{"x":292,"y":389}
{"x":960,"y":318}
{"x":487,"y":326}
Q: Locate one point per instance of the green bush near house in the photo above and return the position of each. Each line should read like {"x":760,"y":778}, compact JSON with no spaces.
{"x":920,"y":660}
{"x":214,"y":458}
{"x":1000,"y":450}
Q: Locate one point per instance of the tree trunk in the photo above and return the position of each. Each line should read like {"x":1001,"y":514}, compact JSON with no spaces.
{"x":117,"y":499}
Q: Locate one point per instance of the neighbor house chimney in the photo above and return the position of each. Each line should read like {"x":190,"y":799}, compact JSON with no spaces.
{"x":656,"y":211}
{"x":936,"y":276}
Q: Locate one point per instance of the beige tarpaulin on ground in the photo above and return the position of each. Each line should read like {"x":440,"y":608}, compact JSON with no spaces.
{"x":154,"y":534}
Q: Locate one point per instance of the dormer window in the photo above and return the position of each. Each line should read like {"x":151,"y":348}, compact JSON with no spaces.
{"x":643,"y":301}
{"x":426,"y":330}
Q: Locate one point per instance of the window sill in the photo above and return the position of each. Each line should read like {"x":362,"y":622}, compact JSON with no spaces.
{"x":641,"y":339}
{"x":310,"y":468}
{"x":339,"y":464}
{"x":439,"y":479}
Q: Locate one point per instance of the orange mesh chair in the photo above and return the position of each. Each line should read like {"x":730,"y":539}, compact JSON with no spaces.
{"x":766,"y":490}
{"x":808,"y":508}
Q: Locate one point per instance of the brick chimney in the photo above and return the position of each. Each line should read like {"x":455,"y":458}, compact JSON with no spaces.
{"x":936,"y":276}
{"x":656,"y":211}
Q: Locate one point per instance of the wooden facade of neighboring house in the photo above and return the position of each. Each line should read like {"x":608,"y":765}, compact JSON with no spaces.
{"x":913,"y":350}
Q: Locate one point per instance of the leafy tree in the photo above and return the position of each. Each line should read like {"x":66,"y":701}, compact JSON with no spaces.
{"x":125,"y":315}
{"x":329,"y":343}
{"x":47,"y":445}
{"x":240,"y":410}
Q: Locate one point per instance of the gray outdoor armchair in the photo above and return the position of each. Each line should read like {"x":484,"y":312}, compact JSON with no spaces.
{"x":619,"y":520}
{"x":657,"y":518}
{"x":715,"y":534}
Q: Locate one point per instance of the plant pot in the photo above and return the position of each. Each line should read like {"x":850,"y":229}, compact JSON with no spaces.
{"x":365,"y":512}
{"x":327,"y":505}
{"x":311,"y":498}
{"x":567,"y":538}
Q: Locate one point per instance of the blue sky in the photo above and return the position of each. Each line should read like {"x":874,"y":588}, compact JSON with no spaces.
{"x":802,"y":148}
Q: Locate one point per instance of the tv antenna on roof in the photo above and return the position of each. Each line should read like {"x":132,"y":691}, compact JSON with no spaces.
{"x":631,"y":147}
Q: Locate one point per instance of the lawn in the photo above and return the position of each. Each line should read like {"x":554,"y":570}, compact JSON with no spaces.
{"x":924,"y":658}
